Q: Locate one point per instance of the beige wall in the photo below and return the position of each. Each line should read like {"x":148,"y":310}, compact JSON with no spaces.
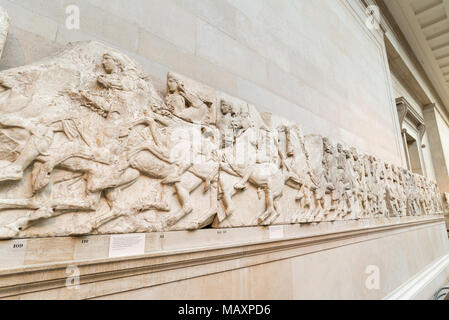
{"x":312,"y":61}
{"x":397,"y":257}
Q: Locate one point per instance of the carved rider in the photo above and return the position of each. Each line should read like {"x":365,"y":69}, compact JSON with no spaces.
{"x":184,"y":104}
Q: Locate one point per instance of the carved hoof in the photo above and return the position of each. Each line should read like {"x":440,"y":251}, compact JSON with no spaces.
{"x":193,"y":226}
{"x":148,"y":204}
{"x":272,"y":219}
{"x":206,"y":186}
{"x":294,"y":177}
{"x":172,"y":221}
{"x":11,"y":173}
{"x":102,"y":220}
{"x":229,"y":210}
{"x":240,"y":186}
{"x":294,"y":220}
{"x":312,"y":217}
{"x":264,"y":216}
{"x":8,"y":232}
{"x":305,"y":219}
{"x":44,"y":213}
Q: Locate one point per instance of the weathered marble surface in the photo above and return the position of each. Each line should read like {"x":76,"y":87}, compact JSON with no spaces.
{"x":4,"y":28}
{"x":88,"y":146}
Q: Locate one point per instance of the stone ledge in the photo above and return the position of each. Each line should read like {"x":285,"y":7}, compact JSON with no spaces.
{"x":176,"y":263}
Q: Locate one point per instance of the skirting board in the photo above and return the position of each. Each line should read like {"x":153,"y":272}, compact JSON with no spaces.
{"x":425,"y":283}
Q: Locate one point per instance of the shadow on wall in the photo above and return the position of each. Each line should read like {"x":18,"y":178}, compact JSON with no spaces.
{"x":23,"y":48}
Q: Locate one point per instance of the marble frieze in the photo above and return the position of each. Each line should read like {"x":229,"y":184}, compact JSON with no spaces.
{"x":89,"y":146}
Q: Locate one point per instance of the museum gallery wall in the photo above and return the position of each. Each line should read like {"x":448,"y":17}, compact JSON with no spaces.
{"x":88,"y":146}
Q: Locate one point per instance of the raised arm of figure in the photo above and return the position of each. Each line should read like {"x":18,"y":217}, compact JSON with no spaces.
{"x":191,"y":98}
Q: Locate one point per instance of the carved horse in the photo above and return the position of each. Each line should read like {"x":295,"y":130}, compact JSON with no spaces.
{"x":196,"y":166}
{"x":269,"y":176}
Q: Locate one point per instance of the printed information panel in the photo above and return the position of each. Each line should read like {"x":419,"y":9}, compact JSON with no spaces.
{"x":126,"y":245}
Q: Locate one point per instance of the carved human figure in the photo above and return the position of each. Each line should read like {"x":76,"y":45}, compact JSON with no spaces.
{"x":119,"y":88}
{"x":41,"y":135}
{"x":106,"y":132}
{"x":298,"y":159}
{"x":381,"y":188}
{"x":185,"y":104}
{"x":413,"y":208}
{"x":437,"y":199}
{"x":104,"y":162}
{"x":402,"y":192}
{"x":326,"y":180}
{"x":359,"y":186}
{"x":352,"y":185}
{"x":228,"y":123}
{"x":259,"y":161}
{"x":370,"y":205}
{"x":344,"y":181}
{"x":164,"y":157}
{"x":225,"y":125}
{"x":156,"y":161}
{"x":391,"y":191}
{"x":40,"y":139}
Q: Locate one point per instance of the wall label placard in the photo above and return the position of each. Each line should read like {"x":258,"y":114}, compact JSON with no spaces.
{"x":126,"y":245}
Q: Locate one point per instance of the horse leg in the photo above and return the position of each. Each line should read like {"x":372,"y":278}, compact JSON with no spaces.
{"x":269,"y":205}
{"x":321,"y":206}
{"x":321,"y":212}
{"x":14,"y":171}
{"x":275,"y":215}
{"x":338,"y":211}
{"x":111,"y":194}
{"x":243,"y":183}
{"x":186,"y":206}
{"x":23,"y":223}
{"x":18,"y":204}
{"x":227,"y":193}
{"x":210,"y":214}
{"x":96,"y":182}
{"x":309,"y":203}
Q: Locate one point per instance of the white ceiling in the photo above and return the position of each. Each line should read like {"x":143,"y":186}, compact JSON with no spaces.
{"x":425,"y":25}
